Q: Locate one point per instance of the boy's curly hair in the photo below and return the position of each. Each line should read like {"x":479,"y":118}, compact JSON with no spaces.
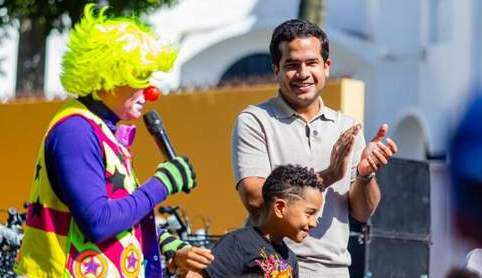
{"x":289,"y":181}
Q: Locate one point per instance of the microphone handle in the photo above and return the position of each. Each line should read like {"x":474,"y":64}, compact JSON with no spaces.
{"x":163,"y":142}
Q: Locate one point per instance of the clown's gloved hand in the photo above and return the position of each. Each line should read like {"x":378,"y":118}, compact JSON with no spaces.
{"x":177,"y":175}
{"x":170,"y":244}
{"x":182,"y":257}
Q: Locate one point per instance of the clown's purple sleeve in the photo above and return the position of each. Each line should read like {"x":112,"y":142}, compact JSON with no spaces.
{"x":76,"y":170}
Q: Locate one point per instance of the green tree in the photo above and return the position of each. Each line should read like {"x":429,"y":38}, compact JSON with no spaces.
{"x":312,"y":10}
{"x":35,"y":20}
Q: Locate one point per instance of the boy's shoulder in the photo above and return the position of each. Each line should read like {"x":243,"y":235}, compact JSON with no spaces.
{"x":243,"y":238}
{"x":233,"y":253}
{"x":246,"y":252}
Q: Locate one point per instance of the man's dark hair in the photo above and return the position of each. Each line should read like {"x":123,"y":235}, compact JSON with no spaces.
{"x":289,"y":181}
{"x":296,"y":28}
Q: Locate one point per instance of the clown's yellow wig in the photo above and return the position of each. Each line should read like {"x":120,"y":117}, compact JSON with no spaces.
{"x":104,"y":53}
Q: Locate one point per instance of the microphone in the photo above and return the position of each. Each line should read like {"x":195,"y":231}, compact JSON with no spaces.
{"x":155,"y":126}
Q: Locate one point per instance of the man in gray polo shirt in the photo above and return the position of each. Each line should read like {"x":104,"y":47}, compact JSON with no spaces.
{"x":295,"y":127}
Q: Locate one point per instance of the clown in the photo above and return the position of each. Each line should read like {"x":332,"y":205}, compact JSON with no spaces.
{"x":88,"y":215}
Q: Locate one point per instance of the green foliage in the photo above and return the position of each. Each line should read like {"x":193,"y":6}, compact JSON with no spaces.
{"x":62,"y":14}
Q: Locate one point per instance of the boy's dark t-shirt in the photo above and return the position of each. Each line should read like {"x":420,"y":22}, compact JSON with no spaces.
{"x":247,"y":253}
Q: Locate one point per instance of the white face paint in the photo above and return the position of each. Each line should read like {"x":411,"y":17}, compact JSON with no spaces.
{"x":126,"y":102}
{"x":133,"y":106}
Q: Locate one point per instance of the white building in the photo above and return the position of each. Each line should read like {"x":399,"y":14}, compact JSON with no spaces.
{"x":418,"y":59}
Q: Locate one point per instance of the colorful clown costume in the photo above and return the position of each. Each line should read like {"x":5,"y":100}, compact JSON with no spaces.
{"x":88,"y":215}
{"x":50,"y":225}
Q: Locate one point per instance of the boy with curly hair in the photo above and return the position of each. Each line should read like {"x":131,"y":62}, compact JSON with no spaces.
{"x":292,"y":198}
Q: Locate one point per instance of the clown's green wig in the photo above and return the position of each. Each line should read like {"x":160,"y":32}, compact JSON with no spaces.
{"x":104,"y":53}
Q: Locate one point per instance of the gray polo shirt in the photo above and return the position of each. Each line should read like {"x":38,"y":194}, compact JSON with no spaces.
{"x":272,"y":134}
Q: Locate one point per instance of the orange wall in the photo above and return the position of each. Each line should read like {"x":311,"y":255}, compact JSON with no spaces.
{"x":199,"y":125}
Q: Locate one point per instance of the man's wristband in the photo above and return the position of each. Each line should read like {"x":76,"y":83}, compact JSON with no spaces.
{"x":366,"y":178}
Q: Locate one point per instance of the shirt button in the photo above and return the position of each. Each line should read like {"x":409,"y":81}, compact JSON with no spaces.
{"x":156,"y":258}
{"x":315,"y":133}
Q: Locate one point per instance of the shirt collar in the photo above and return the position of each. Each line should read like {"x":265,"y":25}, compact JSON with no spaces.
{"x":282,"y":110}
{"x":101,"y":111}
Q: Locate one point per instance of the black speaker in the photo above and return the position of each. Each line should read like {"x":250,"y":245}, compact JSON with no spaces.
{"x":396,"y":240}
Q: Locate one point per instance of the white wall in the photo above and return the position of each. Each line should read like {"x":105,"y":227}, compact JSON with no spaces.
{"x":447,"y":249}
{"x":220,"y":56}
{"x":411,"y":137}
{"x":446,"y":72}
{"x":477,"y":42}
{"x":56,"y":46}
{"x":416,"y":55}
{"x":353,"y":16}
{"x":8,"y":62}
{"x":206,"y":55}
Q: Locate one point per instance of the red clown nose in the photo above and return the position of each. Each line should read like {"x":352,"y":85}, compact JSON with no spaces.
{"x":152,"y":93}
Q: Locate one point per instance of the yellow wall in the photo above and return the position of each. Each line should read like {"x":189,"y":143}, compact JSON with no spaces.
{"x":199,"y":125}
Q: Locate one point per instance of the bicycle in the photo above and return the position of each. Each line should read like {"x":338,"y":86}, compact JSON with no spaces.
{"x":179,"y":225}
{"x":11,"y":236}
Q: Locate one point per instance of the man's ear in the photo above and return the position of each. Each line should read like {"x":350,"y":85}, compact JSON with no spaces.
{"x":279,"y":207}
{"x":275,"y":69}
{"x":327,"y":66}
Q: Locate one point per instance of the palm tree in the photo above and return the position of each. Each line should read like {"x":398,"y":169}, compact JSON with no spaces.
{"x":312,"y":10}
